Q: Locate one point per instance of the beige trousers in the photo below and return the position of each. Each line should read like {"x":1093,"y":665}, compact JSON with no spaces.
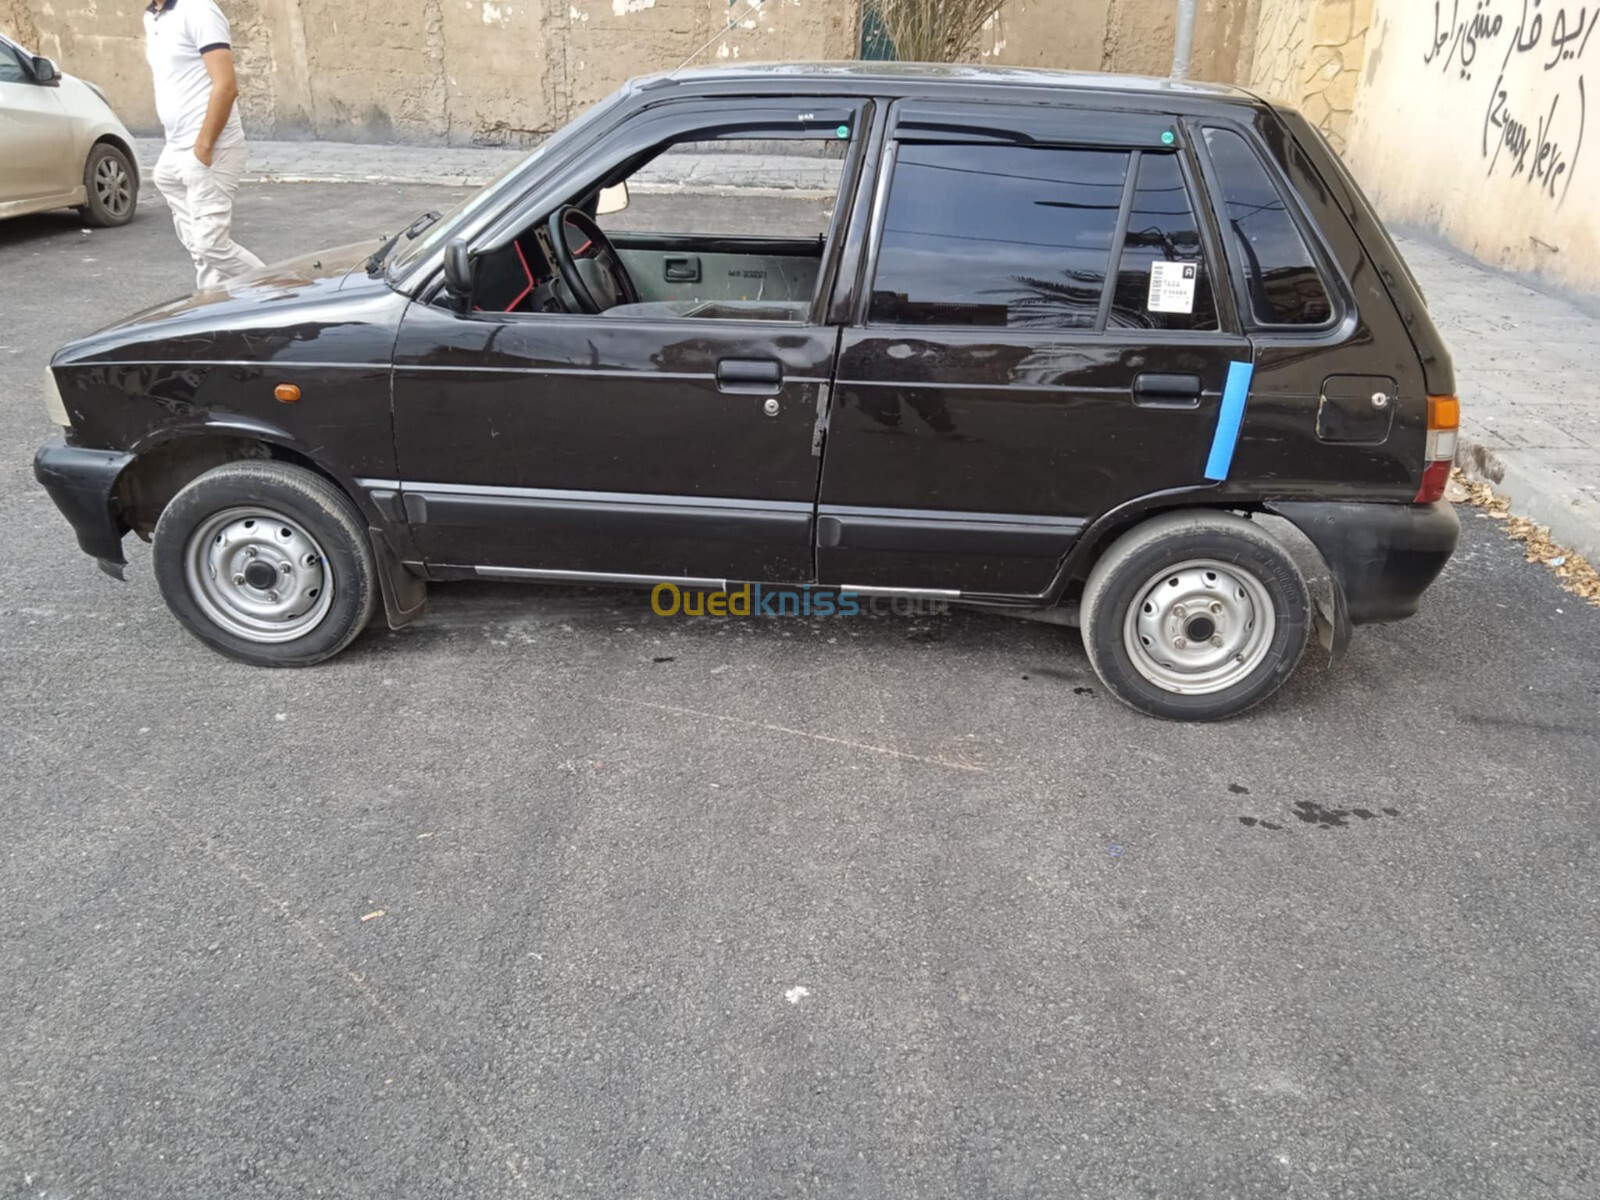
{"x":201,"y":200}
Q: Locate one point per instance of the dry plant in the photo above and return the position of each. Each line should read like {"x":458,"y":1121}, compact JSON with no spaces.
{"x":934,"y":30}
{"x":1572,"y":570}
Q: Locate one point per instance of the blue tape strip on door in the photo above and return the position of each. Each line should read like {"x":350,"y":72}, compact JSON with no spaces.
{"x":1234,"y":394}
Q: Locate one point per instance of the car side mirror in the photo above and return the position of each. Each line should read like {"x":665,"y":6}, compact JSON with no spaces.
{"x":458,"y":272}
{"x":46,"y":72}
{"x":612,"y":199}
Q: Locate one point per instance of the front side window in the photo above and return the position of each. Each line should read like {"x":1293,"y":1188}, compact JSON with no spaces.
{"x":10,"y":68}
{"x":1008,"y":236}
{"x":735,"y":187}
{"x":701,"y":226}
{"x":1280,"y":273}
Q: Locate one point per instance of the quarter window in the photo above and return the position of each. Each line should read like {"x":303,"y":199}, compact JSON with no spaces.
{"x":998,"y":236}
{"x":1280,"y":274}
{"x":1162,"y":229}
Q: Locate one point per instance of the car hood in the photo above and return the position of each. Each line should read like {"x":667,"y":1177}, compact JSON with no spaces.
{"x":265,"y":297}
{"x":312,"y":277}
{"x":88,"y":101}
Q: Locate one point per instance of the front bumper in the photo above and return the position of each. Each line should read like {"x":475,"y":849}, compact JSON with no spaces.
{"x":1383,"y":556}
{"x":83,"y":484}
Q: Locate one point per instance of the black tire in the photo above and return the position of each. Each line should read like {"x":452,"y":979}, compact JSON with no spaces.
{"x":306,"y":504}
{"x":110,"y":181}
{"x":1223,"y":572}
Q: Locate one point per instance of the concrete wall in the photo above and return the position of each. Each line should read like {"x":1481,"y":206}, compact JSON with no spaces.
{"x":493,"y":72}
{"x":483,"y":72}
{"x":1134,"y":37}
{"x":1310,"y":54}
{"x":1479,"y":131}
{"x":16,"y":19}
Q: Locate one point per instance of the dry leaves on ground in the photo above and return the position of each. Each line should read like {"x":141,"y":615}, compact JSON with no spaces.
{"x":1572,"y":569}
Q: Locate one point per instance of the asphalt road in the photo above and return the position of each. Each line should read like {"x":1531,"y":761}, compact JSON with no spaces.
{"x":549,"y":896}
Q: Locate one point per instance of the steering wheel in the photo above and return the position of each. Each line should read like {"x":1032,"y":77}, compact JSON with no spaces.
{"x":593,"y":273}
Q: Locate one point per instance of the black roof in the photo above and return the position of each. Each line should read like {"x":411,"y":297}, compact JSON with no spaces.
{"x":923,"y":78}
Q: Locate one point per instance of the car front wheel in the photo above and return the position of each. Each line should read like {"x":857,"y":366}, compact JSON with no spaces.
{"x":1195,"y":616}
{"x":108,"y":178}
{"x":267,"y":563}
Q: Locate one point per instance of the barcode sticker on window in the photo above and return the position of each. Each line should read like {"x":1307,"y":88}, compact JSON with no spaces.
{"x":1172,"y":287}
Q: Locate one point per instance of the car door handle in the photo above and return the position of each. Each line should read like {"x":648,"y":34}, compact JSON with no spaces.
{"x":680,"y":270}
{"x":754,"y":376}
{"x":1167,"y":391}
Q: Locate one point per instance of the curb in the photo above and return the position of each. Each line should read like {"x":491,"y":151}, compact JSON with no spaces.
{"x":434,"y":180}
{"x":479,"y":180}
{"x":1540,"y":493}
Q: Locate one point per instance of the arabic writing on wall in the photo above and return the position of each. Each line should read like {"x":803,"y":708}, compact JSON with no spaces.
{"x":1534,"y":115}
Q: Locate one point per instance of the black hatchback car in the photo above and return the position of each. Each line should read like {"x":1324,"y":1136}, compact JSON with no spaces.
{"x":1021,"y":340}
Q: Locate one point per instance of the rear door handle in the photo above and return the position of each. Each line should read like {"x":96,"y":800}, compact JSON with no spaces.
{"x":1167,"y":391}
{"x":751,"y":376}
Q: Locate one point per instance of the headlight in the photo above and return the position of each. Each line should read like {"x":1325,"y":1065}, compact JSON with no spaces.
{"x":53,"y":403}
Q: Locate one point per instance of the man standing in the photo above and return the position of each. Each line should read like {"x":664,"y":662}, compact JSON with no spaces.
{"x":190,"y":50}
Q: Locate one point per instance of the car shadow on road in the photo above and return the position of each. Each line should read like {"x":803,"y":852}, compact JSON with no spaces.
{"x":21,"y":232}
{"x":494,"y":615}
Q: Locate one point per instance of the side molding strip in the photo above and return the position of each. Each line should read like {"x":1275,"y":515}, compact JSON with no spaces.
{"x":913,"y":593}
{"x":566,"y":496}
{"x":715,"y":585}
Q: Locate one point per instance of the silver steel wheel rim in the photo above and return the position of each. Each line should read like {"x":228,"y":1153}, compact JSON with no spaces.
{"x":1199,"y":627}
{"x":112,"y":185}
{"x":259,"y":575}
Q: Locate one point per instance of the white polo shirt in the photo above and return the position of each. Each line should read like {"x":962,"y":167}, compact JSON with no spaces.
{"x":177,"y":33}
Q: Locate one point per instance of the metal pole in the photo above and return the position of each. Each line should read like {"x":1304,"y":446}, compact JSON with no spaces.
{"x":1184,"y":49}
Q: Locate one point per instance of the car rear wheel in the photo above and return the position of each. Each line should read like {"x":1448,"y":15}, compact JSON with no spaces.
{"x":109,"y":180}
{"x":267,"y":563}
{"x":1195,"y":616}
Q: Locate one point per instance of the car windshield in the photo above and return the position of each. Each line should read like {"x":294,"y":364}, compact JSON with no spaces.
{"x":462,"y":215}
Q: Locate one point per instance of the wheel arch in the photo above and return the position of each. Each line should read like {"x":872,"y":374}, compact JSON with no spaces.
{"x":1142,"y":637}
{"x":1109,"y":527}
{"x":161,"y":469}
{"x":1331,"y":609}
{"x":164,"y":467}
{"x":121,"y":143}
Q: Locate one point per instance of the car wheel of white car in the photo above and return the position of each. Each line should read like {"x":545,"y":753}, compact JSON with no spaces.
{"x":112,"y":187}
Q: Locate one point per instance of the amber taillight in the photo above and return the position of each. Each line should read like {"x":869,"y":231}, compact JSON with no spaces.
{"x":1444,"y":419}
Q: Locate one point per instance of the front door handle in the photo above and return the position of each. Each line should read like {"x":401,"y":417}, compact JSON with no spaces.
{"x":750,"y":376}
{"x":1152,"y":390}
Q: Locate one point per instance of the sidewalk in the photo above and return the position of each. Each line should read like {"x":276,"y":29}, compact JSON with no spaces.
{"x":456,"y":166}
{"x":352,"y":162}
{"x":1530,"y":409}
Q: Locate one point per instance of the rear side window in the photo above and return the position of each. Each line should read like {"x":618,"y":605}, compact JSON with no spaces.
{"x":1009,"y":236}
{"x":1280,"y":274}
{"x":1162,"y":229}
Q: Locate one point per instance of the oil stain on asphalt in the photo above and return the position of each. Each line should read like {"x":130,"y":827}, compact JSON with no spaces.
{"x":1309,"y":812}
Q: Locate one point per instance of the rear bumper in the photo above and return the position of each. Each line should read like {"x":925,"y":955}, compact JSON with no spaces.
{"x":1384,"y":556}
{"x":83,"y":484}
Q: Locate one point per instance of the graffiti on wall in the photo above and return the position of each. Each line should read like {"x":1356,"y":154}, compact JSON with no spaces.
{"x":1535,"y":114}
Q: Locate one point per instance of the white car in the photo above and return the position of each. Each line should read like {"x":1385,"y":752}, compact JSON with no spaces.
{"x":61,"y":146}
